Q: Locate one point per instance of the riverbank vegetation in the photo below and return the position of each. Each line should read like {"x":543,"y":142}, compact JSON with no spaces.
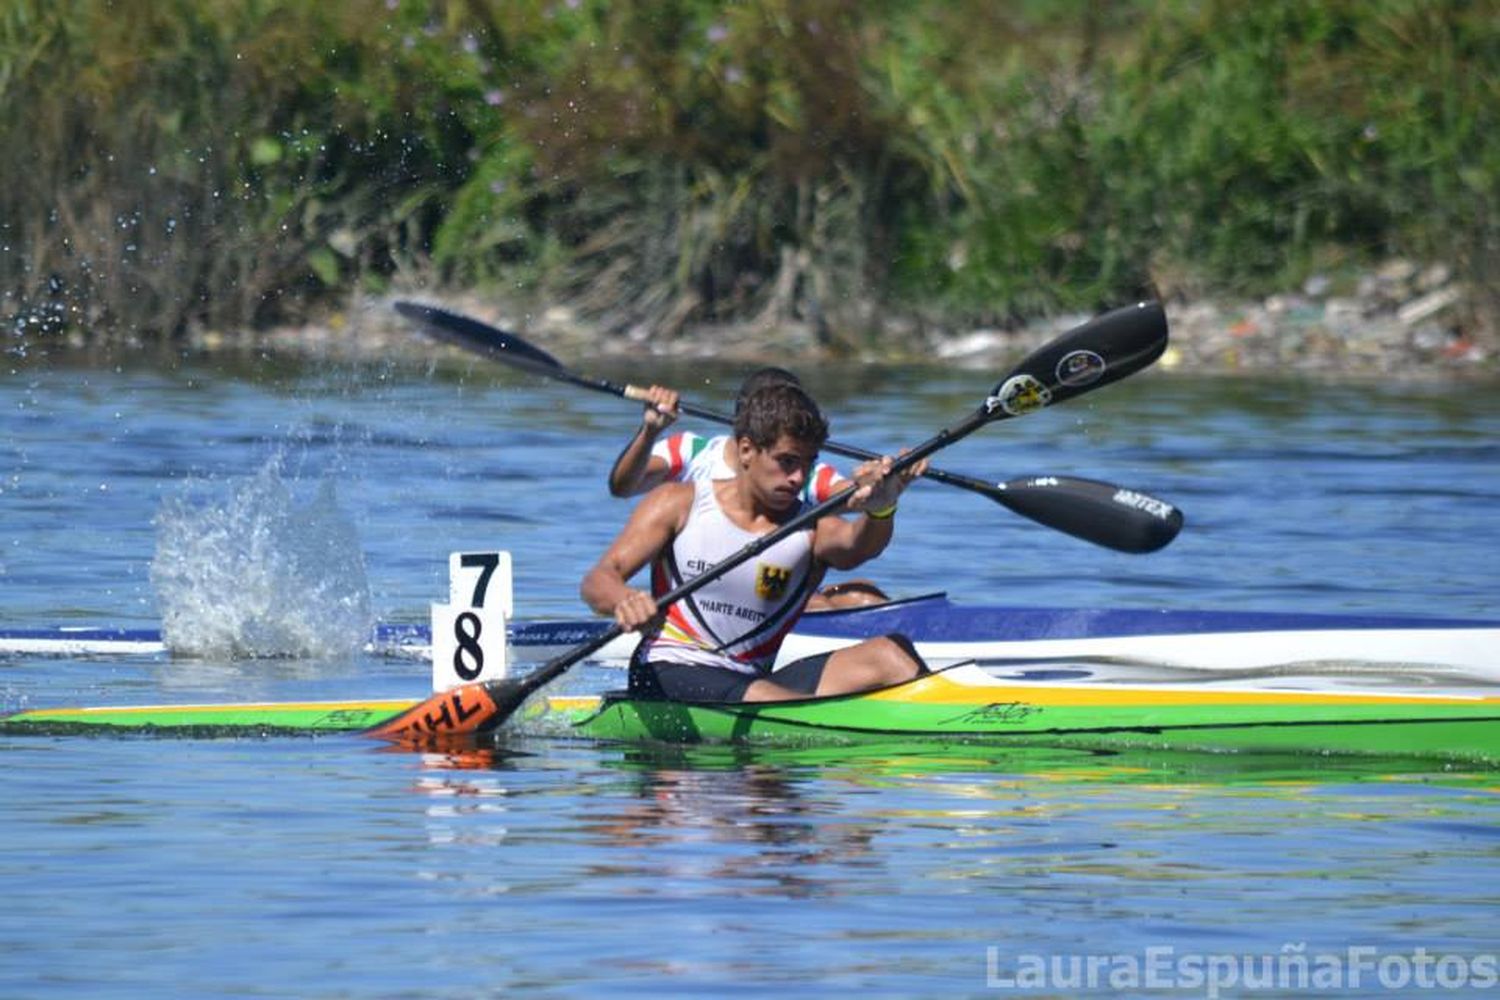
{"x":184,"y":165}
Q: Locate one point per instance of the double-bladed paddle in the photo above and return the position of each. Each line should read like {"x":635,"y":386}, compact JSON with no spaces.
{"x":1111,"y":516}
{"x":1101,"y":351}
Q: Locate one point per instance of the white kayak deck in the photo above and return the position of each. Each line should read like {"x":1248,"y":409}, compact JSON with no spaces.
{"x":1163,"y":643}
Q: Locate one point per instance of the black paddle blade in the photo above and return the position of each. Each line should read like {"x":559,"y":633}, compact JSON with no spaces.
{"x":1103,"y":350}
{"x":481,"y":338}
{"x":1102,"y":513}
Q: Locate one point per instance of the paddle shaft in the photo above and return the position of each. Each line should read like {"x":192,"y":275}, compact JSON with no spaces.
{"x":639,"y":394}
{"x":1107,"y":515}
{"x":1100,"y":513}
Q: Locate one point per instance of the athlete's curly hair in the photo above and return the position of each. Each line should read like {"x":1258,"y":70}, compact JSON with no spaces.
{"x":759,"y":379}
{"x":781,"y":409}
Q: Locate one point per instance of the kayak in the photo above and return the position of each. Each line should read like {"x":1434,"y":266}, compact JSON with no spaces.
{"x":1041,"y":705}
{"x":1049,"y":707}
{"x":207,"y":720}
{"x":945,"y":631}
{"x":1004,"y":678}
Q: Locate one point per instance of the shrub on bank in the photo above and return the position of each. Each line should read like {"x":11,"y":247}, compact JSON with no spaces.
{"x":226,"y":164}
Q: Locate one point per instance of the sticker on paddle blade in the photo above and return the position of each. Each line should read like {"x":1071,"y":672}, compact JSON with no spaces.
{"x":461,"y":711}
{"x":1020,"y":394}
{"x":1080,"y":368}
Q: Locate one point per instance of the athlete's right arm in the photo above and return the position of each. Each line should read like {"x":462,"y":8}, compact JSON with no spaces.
{"x":637,"y":470}
{"x":653,"y":525}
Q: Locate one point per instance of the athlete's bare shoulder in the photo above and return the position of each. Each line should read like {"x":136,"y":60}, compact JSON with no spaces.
{"x":669,"y":502}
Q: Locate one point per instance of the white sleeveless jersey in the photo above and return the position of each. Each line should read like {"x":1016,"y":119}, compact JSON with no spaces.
{"x":739,"y":620}
{"x":691,"y":457}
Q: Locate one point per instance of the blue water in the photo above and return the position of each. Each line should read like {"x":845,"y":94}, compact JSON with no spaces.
{"x":330,"y":867}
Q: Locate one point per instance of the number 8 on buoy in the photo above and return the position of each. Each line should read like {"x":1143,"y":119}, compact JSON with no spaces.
{"x":468,"y":632}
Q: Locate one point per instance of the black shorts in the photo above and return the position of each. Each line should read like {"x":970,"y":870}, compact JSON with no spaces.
{"x":695,"y":682}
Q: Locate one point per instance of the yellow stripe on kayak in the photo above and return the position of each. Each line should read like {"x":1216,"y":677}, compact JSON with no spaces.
{"x":391,"y":705}
{"x":574,"y":703}
{"x":939,"y":690}
{"x":936,"y":689}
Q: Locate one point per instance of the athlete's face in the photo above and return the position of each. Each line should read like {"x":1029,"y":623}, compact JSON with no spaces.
{"x":779,"y":472}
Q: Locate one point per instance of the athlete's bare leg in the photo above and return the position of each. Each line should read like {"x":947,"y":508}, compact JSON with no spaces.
{"x":874,"y":663}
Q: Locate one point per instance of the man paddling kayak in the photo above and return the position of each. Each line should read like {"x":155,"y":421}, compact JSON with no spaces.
{"x":720,"y":644}
{"x":648,"y":460}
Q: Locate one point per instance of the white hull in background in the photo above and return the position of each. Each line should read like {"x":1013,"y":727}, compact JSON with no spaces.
{"x":1168,"y":643}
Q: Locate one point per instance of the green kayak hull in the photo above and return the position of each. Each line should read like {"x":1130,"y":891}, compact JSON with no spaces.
{"x":960,"y":705}
{"x":965,"y":704}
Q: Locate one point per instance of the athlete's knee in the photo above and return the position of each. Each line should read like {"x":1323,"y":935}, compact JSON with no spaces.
{"x":764,"y":690}
{"x":902,"y":657}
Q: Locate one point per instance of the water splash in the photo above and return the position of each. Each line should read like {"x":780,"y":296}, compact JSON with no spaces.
{"x":256,"y":574}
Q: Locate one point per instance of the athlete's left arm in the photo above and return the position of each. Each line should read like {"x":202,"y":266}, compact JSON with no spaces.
{"x":844,"y":543}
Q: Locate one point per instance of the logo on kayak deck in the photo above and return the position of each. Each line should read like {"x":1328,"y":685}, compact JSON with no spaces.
{"x":1079,"y":368}
{"x":771,"y":581}
{"x":995,"y":714}
{"x":1020,"y":394}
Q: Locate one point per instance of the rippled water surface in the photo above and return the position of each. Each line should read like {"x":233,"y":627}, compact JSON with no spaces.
{"x":286,"y":867}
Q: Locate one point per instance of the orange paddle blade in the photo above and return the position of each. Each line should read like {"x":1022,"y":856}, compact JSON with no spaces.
{"x":462,"y":711}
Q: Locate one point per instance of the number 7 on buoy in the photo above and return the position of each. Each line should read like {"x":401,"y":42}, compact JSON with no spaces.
{"x":468,"y":632}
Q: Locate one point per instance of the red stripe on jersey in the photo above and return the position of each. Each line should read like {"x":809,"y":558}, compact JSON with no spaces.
{"x":676,"y":460}
{"x":767,"y":649}
{"x":676,"y":617}
{"x":661,"y":582}
{"x":822,"y":479}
